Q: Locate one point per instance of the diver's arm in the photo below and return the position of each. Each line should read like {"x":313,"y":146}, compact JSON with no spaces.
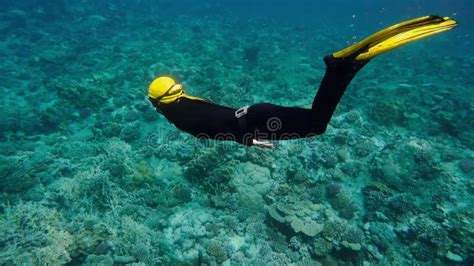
{"x":263,"y":144}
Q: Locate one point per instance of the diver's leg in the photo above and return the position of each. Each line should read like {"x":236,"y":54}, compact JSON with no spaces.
{"x":339,"y":73}
{"x":342,"y":66}
{"x":278,"y":122}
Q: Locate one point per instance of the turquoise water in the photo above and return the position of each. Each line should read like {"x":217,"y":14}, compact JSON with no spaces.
{"x":91,"y":174}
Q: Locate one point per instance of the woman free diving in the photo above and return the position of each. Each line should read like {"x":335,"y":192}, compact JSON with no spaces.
{"x":261,"y":124}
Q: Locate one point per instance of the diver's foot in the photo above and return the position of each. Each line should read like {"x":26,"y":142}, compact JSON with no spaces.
{"x":346,"y":65}
{"x":394,"y":37}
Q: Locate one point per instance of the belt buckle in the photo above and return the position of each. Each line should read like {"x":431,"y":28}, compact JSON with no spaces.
{"x":241,"y":112}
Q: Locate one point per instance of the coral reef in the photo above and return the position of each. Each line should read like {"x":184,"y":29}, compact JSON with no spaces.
{"x":295,"y":218}
{"x":14,"y":176}
{"x":217,"y":252}
{"x":33,"y":234}
{"x":340,"y":201}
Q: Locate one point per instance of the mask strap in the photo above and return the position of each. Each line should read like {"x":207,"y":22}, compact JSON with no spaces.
{"x":167,"y":92}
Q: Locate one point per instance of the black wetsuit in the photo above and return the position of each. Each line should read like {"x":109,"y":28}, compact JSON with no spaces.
{"x":265,"y":121}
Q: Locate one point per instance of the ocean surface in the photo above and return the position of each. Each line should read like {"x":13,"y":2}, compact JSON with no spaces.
{"x":91,"y":174}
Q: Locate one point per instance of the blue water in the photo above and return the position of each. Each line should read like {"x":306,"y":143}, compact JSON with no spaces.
{"x":91,"y":174}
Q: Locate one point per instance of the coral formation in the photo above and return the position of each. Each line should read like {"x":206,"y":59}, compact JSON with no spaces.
{"x":217,"y":252}
{"x":340,"y":201}
{"x":295,"y":218}
{"x":15,"y":176}
{"x":33,"y":234}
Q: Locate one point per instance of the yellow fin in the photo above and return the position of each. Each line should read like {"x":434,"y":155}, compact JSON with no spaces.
{"x":396,"y":36}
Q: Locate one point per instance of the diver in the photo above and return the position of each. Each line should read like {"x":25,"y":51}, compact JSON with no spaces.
{"x":262,"y":123}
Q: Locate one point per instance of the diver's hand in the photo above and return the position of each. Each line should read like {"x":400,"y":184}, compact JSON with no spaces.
{"x":263,"y":144}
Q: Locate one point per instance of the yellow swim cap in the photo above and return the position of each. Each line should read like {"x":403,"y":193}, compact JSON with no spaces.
{"x":165,"y":90}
